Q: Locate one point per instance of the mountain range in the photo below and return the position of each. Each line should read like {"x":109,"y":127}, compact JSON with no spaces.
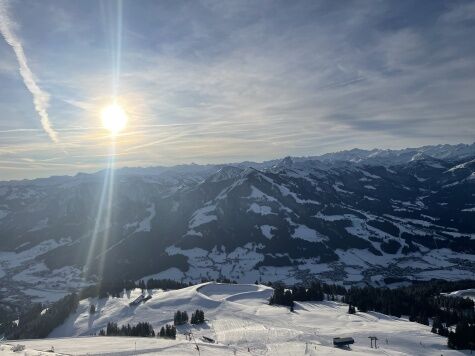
{"x":377,"y":217}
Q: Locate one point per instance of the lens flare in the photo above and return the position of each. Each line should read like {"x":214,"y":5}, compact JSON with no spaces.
{"x":114,"y":118}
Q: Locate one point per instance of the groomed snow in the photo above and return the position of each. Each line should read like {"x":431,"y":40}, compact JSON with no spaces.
{"x":241,"y":321}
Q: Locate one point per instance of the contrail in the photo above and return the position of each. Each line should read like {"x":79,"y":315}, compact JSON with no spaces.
{"x":40,"y":98}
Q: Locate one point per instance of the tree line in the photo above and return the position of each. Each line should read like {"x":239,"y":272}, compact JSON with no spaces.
{"x":168,"y":331}
{"x":181,"y":317}
{"x":198,"y":317}
{"x":38,"y":322}
{"x":146,"y":330}
{"x":114,"y":288}
{"x":453,"y":317}
{"x":141,"y":329}
{"x":315,"y":291}
{"x":421,"y":303}
{"x":34,"y":324}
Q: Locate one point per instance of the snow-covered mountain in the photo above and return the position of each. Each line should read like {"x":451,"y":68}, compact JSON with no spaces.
{"x":393,"y":157}
{"x":240,"y":321}
{"x":353,"y":217}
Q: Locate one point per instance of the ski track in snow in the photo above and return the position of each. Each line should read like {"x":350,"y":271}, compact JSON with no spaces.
{"x":242,"y":323}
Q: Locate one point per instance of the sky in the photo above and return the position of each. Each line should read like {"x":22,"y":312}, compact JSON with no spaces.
{"x":226,"y":81}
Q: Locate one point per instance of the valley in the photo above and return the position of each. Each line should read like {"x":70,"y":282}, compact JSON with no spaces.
{"x":357,"y":217}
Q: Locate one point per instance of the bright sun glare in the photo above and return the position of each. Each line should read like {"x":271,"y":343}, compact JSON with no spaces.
{"x":114,"y":118}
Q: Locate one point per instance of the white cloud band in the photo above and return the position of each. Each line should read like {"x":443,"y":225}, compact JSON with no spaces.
{"x":40,"y":97}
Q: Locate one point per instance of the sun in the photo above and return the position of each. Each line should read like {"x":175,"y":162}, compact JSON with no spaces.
{"x":114,"y":118}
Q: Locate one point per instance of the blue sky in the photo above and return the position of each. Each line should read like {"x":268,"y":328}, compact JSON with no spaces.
{"x":225,"y":81}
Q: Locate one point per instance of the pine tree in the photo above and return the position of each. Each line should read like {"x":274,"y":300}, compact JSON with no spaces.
{"x":197,"y":317}
{"x":169,"y":331}
{"x":180,"y":317}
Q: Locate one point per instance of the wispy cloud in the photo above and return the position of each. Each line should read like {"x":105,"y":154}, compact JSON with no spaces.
{"x":215,"y":81}
{"x":40,"y":97}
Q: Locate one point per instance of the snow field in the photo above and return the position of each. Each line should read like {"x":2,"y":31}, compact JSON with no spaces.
{"x":239,"y":319}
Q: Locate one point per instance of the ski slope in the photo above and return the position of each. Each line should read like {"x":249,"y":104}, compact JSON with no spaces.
{"x":242,"y":323}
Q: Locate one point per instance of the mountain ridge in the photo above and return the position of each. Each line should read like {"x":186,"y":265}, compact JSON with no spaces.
{"x":366,"y":156}
{"x":291,"y":220}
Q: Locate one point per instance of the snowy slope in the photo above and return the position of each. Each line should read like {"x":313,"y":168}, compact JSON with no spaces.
{"x":239,"y":319}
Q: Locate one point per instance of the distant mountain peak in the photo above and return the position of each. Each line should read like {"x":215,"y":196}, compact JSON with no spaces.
{"x":295,"y":218}
{"x":286,"y":162}
{"x":225,"y":173}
